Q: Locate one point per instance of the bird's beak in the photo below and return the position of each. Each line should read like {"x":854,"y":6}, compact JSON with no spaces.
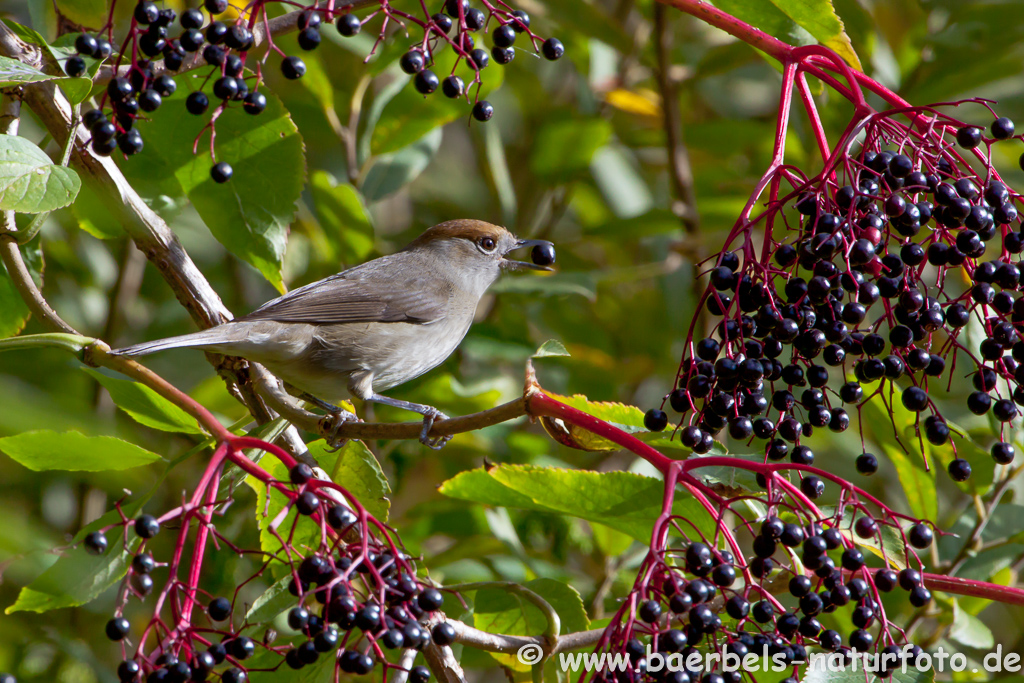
{"x":524,"y":265}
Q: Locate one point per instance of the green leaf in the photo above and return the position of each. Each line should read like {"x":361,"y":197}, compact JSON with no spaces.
{"x":825,"y":674}
{"x":78,"y":577}
{"x":74,"y":580}
{"x":307,"y":532}
{"x":653,"y":222}
{"x":612,"y":543}
{"x":15,"y":72}
{"x":272,"y":602}
{"x":250,"y":214}
{"x":623,"y":501}
{"x":13,"y":311}
{"x":410,"y":115}
{"x":47,"y":450}
{"x":891,"y":547}
{"x":819,"y":18}
{"x":552,"y":347}
{"x":343,"y":216}
{"x":145,"y":405}
{"x":353,"y":467}
{"x":564,"y":149}
{"x":266,"y":667}
{"x":356,"y":468}
{"x":29,"y":181}
{"x":627,"y":418}
{"x":556,"y":284}
{"x":969,"y":631}
{"x":500,"y":610}
{"x":391,"y":172}
{"x":888,"y":418}
{"x":91,"y":13}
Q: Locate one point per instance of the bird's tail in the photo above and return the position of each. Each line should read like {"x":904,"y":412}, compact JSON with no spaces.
{"x":214,"y":336}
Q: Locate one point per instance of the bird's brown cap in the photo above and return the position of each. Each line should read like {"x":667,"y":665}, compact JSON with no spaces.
{"x":466,"y":228}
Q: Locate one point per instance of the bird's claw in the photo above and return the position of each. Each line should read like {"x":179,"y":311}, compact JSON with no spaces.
{"x":436,"y":443}
{"x":338,"y":419}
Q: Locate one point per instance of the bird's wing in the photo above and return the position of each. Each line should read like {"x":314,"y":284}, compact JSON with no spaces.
{"x":358,"y":296}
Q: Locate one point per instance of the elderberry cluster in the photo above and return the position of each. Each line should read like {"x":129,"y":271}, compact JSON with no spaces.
{"x":352,"y":603}
{"x":698,"y":599}
{"x":204,"y":39}
{"x":466,"y":20}
{"x":863,"y":296}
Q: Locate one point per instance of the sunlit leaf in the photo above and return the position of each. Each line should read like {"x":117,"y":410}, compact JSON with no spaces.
{"x":249,"y":214}
{"x":623,"y":501}
{"x":48,"y":450}
{"x":29,"y":181}
{"x":145,"y":405}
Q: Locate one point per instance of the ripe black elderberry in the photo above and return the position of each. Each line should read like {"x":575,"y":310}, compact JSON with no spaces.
{"x":552,"y":49}
{"x":293,"y":68}
{"x":959,"y":469}
{"x":221,"y":172}
{"x":348,"y":25}
{"x":483,"y":111}
{"x":426,"y":81}
{"x":254,"y":103}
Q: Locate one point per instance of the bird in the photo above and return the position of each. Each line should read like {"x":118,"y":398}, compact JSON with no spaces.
{"x":374,"y":326}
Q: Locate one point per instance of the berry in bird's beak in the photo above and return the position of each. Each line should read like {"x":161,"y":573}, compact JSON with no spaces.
{"x":543,"y":256}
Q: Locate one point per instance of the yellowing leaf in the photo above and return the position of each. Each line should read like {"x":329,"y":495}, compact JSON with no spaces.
{"x":643,"y":102}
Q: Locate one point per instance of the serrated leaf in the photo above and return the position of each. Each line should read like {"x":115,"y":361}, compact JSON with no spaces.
{"x":343,"y":217}
{"x":356,"y":468}
{"x":891,"y":547}
{"x":48,"y":450}
{"x":78,"y":577}
{"x":551,"y":348}
{"x":76,"y":581}
{"x":621,"y":500}
{"x":499,"y":610}
{"x":825,"y":674}
{"x":352,"y":466}
{"x":29,"y":181}
{"x":627,"y":418}
{"x":819,"y":18}
{"x":145,"y":405}
{"x":250,"y":214}
{"x":269,"y":504}
{"x":391,"y":172}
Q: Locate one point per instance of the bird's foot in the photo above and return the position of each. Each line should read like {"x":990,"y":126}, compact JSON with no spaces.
{"x":333,"y":423}
{"x":429,"y":418}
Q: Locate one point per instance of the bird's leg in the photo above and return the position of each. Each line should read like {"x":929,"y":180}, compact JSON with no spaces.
{"x":339,"y":415}
{"x":430,"y":416}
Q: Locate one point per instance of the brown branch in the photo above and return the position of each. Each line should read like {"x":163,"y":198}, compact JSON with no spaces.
{"x":680,"y":171}
{"x":10,"y":120}
{"x":510,"y":645}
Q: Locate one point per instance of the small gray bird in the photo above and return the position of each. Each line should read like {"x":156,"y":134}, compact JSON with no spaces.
{"x":374,"y":326}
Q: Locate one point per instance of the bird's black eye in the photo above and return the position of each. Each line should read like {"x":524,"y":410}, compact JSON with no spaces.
{"x":487,"y":243}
